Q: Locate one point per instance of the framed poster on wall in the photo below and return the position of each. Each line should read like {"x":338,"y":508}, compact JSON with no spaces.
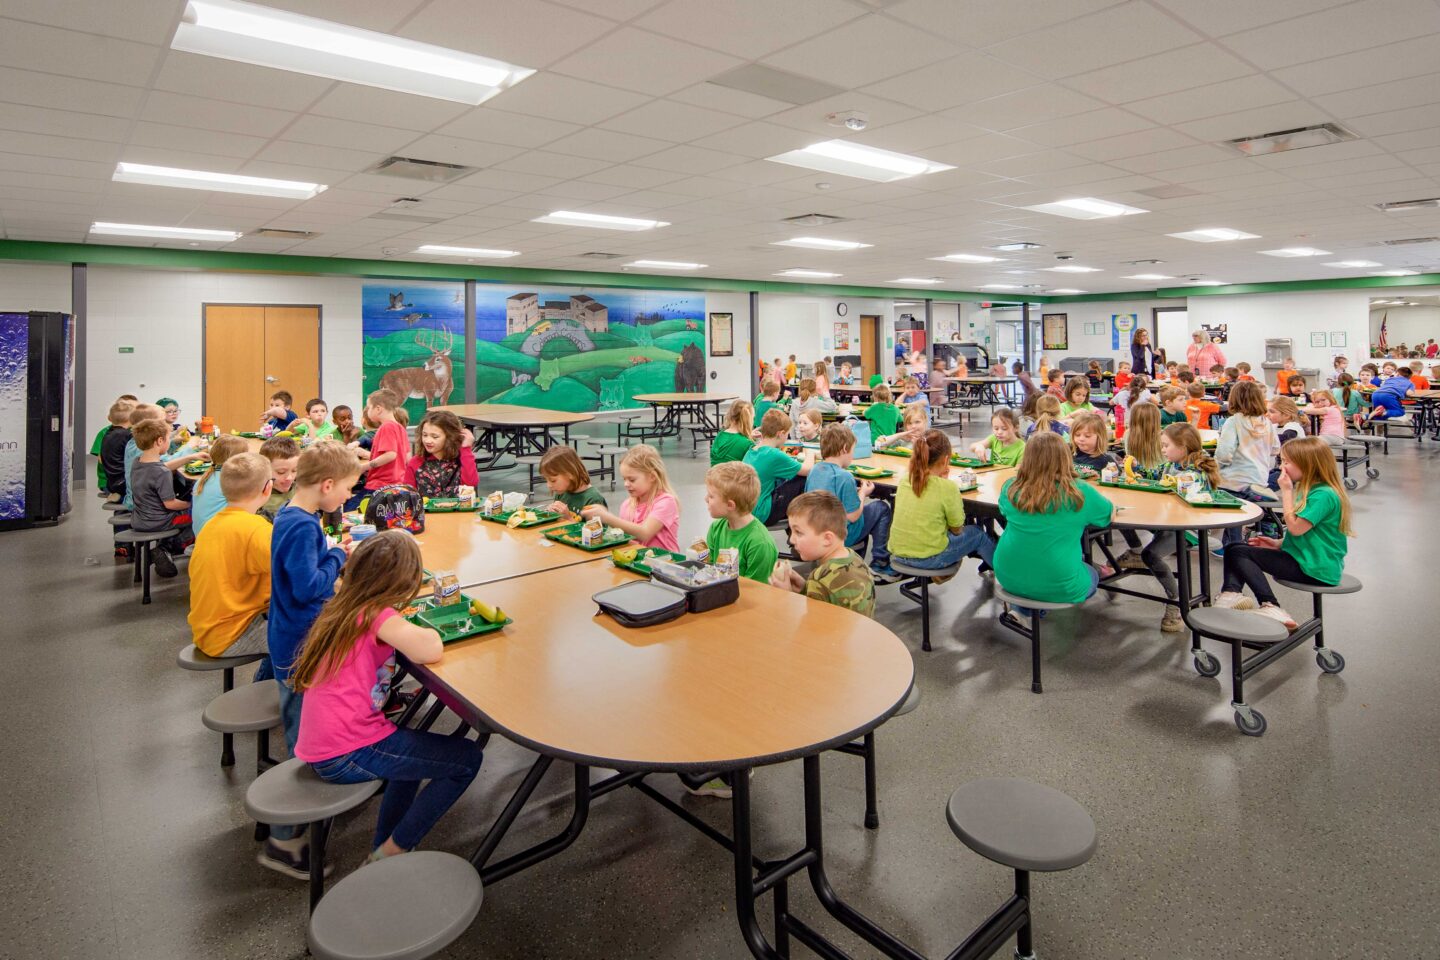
{"x":722,"y":334}
{"x":1055,"y":331}
{"x":842,"y":336}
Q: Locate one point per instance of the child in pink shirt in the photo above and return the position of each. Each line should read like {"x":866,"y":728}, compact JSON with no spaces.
{"x":444,"y":460}
{"x":345,"y":669}
{"x":651,"y":514}
{"x":1332,"y":419}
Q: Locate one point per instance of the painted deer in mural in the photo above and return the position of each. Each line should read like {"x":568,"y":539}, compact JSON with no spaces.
{"x":431,"y":382}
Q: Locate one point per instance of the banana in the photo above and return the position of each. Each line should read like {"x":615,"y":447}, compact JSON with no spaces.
{"x":518,"y":517}
{"x":624,"y":554}
{"x":1129,"y":469}
{"x":479,"y":608}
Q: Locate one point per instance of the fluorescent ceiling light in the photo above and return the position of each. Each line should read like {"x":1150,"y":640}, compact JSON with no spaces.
{"x":1206,"y":283}
{"x":1296,"y":252}
{"x":813,"y":274}
{"x":856,"y":160}
{"x":667,"y":265}
{"x":1396,"y":273}
{"x":1086,"y":208}
{"x":1066,"y":290}
{"x":820,"y":243}
{"x":918,"y":280}
{"x":1072,"y":268}
{"x":218,"y":182}
{"x":1214,"y":235}
{"x":233,"y":30}
{"x":1148,"y":276}
{"x":571,"y":218}
{"x":443,"y":251}
{"x":999,"y":286}
{"x":969,"y":258}
{"x":1354,"y":264}
{"x":162,"y":233}
{"x":908,"y":303}
{"x":1016,"y":246}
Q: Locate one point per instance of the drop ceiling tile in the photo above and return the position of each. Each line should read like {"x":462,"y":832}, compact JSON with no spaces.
{"x":349,"y":101}
{"x":192,"y":74}
{"x":1393,"y":61}
{"x":552,"y":165}
{"x":954,"y":81}
{"x":1096,"y":125}
{"x":29,"y":46}
{"x":691,"y":159}
{"x":1220,"y":17}
{"x":1169,"y":72}
{"x":205,"y":114}
{"x":585,"y":190}
{"x":1348,"y":151}
{"x":980,"y":22}
{"x":164,"y":136}
{"x":701,"y":186}
{"x":42,"y":145}
{"x":1251,"y":123}
{"x":1396,"y":121}
{"x":178,"y":157}
{"x":977,"y":150}
{"x":565,"y":98}
{"x":313,"y":155}
{"x":1176,"y":159}
{"x":634,"y":178}
{"x":1410,"y":140}
{"x":880,"y":114}
{"x":672,"y":121}
{"x":54,"y":166}
{"x":862,"y":52}
{"x":1136,"y":144}
{"x":919,"y":134}
{"x":69,"y":93}
{"x":607,"y":145}
{"x":1111,"y":36}
{"x":1227,"y":96}
{"x":1036,"y":104}
{"x":758,"y":140}
{"x":1342,"y":29}
{"x":1395,"y":95}
{"x":381,"y":15}
{"x":614,"y":9}
{"x":746,"y":28}
{"x":497,"y":126}
{"x":329,"y":132}
{"x":531,"y":34}
{"x":511,"y":180}
{"x":644,"y":62}
{"x":87,"y":126}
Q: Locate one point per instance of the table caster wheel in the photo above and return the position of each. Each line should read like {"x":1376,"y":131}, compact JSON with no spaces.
{"x":1251,"y":722}
{"x":1351,"y":483}
{"x":1372,"y":473}
{"x":1329,"y":661}
{"x":1206,"y":665}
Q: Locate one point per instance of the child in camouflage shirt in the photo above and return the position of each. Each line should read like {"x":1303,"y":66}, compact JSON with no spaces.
{"x":817,"y":534}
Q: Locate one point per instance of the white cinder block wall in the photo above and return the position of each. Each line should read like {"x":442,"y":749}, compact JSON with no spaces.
{"x":34,"y":286}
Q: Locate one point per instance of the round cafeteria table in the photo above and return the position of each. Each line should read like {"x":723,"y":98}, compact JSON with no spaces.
{"x":695,"y":406}
{"x":719,"y":691}
{"x":515,"y":430}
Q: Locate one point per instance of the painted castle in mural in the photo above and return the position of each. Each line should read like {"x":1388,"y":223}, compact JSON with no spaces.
{"x":549,"y":349}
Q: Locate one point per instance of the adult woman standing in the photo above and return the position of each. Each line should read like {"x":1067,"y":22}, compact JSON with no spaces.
{"x":1142,"y":354}
{"x":1201,"y":355}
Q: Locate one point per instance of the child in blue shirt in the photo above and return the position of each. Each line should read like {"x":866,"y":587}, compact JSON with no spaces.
{"x":1385,"y":401}
{"x":279,"y":415}
{"x":865,"y":519}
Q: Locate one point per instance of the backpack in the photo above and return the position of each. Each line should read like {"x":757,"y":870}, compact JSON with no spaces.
{"x":396,"y":507}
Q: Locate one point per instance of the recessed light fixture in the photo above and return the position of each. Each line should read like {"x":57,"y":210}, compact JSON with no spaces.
{"x":1395,"y":206}
{"x":218,"y":182}
{"x":1148,"y":276}
{"x":667,"y":265}
{"x":820,"y":243}
{"x":572,"y":218}
{"x":1072,"y":268}
{"x":999,"y":286}
{"x":1296,"y":252}
{"x":1086,"y":208}
{"x":1214,"y":235}
{"x":1396,"y":273}
{"x":1354,"y":264}
{"x":918,"y":280}
{"x":1206,"y":283}
{"x":1016,"y":246}
{"x":969,"y":258}
{"x":1066,"y":290}
{"x":162,"y":233}
{"x":811,"y":274}
{"x":1319,"y":135}
{"x":233,"y":30}
{"x":478,"y":252}
{"x":856,"y":160}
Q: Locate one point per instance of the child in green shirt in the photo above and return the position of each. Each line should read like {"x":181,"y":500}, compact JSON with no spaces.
{"x":731,"y":490}
{"x":768,"y":400}
{"x":1004,"y":447}
{"x":883,"y":415}
{"x":817,"y":534}
{"x":733,"y":442}
{"x":1172,"y":406}
{"x":567,"y":478}
{"x":928,"y":529}
{"x":781,"y":475}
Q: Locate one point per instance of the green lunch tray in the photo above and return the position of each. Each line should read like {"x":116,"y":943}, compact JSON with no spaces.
{"x":975,"y":463}
{"x":1144,"y":486}
{"x":870,"y":473}
{"x":195,"y":469}
{"x":973,"y":486}
{"x":448,"y":505}
{"x":641,"y":563}
{"x":569,"y":535}
{"x":453,"y":621}
{"x":1222,"y":500}
{"x":250,"y":435}
{"x":542,"y":517}
{"x":896,"y":452}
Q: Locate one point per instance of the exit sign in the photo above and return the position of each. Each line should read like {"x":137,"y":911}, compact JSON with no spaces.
{"x":127,"y":349}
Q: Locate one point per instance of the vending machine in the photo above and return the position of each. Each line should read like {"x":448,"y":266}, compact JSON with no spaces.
{"x":37,"y":413}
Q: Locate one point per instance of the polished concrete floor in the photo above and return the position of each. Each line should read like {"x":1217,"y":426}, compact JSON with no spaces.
{"x":125,"y":839}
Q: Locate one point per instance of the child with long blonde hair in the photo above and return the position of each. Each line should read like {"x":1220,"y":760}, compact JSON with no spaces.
{"x":208,"y":498}
{"x":1246,"y":449}
{"x":1332,"y":421}
{"x":1004,"y":447}
{"x":808,"y":425}
{"x":821,"y":377}
{"x":1184,"y":452}
{"x":1317,"y":522}
{"x":651,"y":514}
{"x":1047,"y":417}
{"x":915,"y":422}
{"x":1046,"y":513}
{"x":928,"y":529}
{"x":1142,"y":441}
{"x":733,"y":441}
{"x":1090,"y":442}
{"x":345,"y":670}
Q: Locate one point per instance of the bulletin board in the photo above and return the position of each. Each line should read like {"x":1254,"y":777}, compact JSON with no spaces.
{"x":1055,"y":331}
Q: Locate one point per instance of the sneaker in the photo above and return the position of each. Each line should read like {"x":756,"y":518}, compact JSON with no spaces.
{"x":164,"y":566}
{"x":290,"y":857}
{"x":1277,"y":614}
{"x":1172,"y":623}
{"x":123,"y":553}
{"x":1234,"y":601}
{"x":1130,"y":560}
{"x":712,"y":788}
{"x":1105,"y":570}
{"x":885,"y":575}
{"x":1218,"y":550}
{"x":946,"y":578}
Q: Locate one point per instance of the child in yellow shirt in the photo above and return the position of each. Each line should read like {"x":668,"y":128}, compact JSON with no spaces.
{"x":230,"y":567}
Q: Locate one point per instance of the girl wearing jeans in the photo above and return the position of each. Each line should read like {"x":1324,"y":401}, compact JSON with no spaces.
{"x":345,"y":669}
{"x":928,"y":529}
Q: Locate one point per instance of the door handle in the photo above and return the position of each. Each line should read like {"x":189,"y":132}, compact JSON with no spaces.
{"x":272,"y":379}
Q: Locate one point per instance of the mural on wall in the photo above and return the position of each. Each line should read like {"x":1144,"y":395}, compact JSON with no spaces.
{"x":414,"y":342}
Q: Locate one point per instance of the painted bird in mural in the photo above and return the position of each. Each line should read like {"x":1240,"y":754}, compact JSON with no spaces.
{"x":411,"y":318}
{"x":397,"y":301}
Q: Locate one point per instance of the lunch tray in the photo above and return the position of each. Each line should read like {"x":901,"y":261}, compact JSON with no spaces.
{"x":569,"y":535}
{"x":870,"y":473}
{"x":1143,"y":486}
{"x":542,"y":517}
{"x":453,"y":621}
{"x":250,"y":435}
{"x":1222,"y":500}
{"x":896,"y":452}
{"x":195,"y":469}
{"x":448,"y":505}
{"x":641,"y":565}
{"x":974,"y":463}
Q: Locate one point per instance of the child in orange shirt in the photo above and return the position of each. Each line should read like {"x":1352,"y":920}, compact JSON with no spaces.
{"x":1418,"y":378}
{"x":1200,"y":408}
{"x":1122,"y":376}
{"x":1244,"y":370}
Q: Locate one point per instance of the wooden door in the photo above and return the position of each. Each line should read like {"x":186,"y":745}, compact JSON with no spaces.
{"x":234,"y":366}
{"x":869,"y":347}
{"x":292,"y":353}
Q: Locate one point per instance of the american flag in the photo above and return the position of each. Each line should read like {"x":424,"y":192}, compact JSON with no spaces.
{"x":1384,"y":343}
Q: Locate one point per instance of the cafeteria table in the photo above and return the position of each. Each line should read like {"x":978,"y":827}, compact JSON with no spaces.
{"x":694,"y":407}
{"x":516,"y":430}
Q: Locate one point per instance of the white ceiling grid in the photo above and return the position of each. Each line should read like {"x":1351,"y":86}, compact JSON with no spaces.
{"x":1031,"y":100}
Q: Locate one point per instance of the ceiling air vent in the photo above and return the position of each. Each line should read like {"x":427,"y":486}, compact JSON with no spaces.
{"x":1396,"y":206}
{"x":1409,"y":240}
{"x":411,"y":169}
{"x":814,"y":220}
{"x":766,"y":81}
{"x":1318,"y":135}
{"x":277,"y":233}
{"x":598,"y":255}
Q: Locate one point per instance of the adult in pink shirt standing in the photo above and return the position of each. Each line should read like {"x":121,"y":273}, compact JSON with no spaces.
{"x":651,"y":514}
{"x":1201,"y":355}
